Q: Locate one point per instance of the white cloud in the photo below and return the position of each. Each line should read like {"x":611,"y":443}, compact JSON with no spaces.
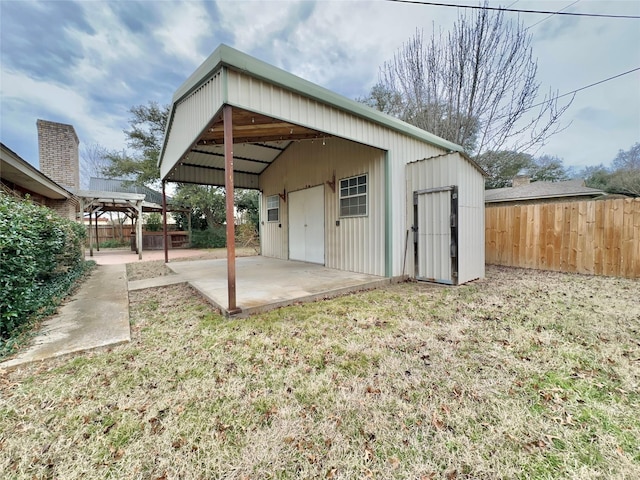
{"x":185,"y":25}
{"x":65,"y":104}
{"x":132,"y":58}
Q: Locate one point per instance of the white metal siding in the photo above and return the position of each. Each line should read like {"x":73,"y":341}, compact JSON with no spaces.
{"x":208,"y":176}
{"x":191,"y":117}
{"x":445,"y":171}
{"x":259,"y":96}
{"x":470,"y":222}
{"x":358,"y":243}
{"x":434,"y":237}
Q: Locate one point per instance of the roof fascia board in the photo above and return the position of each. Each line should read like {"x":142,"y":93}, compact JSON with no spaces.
{"x":15,"y":161}
{"x":243,"y":63}
{"x":466,"y":157}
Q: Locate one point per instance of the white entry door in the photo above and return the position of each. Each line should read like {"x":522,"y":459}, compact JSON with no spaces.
{"x":306,"y":225}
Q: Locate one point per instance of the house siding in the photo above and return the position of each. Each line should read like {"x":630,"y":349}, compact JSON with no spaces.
{"x":191,"y":117}
{"x":260,"y":96}
{"x":358,"y":243}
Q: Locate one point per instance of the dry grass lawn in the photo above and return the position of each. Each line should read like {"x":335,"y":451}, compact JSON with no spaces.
{"x":523,"y":375}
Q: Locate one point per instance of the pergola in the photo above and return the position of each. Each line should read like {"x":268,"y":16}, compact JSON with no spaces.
{"x":131,"y":204}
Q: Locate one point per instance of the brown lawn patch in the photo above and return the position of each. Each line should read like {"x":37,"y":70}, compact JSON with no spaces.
{"x":523,"y":375}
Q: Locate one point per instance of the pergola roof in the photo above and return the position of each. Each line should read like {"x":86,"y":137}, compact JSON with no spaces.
{"x":193,"y":146}
{"x":112,"y":201}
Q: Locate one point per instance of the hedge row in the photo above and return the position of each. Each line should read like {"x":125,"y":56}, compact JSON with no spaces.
{"x":210,"y":238}
{"x":41,"y":255}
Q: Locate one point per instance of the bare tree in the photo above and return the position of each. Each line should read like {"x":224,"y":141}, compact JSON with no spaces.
{"x":626,"y":172}
{"x":475,"y":86}
{"x":93,"y":160}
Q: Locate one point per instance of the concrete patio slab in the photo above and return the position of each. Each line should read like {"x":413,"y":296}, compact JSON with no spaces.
{"x":96,"y":316}
{"x":263,"y":283}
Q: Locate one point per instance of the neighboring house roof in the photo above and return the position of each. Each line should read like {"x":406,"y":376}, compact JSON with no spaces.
{"x":122,"y":186}
{"x":15,"y":170}
{"x":541,"y":190}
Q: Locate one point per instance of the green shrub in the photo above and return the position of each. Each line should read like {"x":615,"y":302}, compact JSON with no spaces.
{"x":114,"y":243}
{"x":153,"y":222}
{"x":210,"y":238}
{"x":41,"y":255}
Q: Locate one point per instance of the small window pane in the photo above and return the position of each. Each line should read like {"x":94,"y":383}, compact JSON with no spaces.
{"x":353,"y":196}
{"x":273,"y":208}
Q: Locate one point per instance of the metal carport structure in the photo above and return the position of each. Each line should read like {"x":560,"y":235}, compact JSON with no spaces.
{"x":236,"y":115}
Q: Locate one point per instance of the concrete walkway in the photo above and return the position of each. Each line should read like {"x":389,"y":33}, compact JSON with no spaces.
{"x":96,"y":316}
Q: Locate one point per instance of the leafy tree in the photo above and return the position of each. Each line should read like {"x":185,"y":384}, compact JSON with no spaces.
{"x":475,"y":85}
{"x":502,"y":166}
{"x":144,"y":138}
{"x":247,"y":201}
{"x":547,"y":168}
{"x":205,"y":201}
{"x":596,"y":177}
{"x":153,"y":222}
{"x":622,"y":177}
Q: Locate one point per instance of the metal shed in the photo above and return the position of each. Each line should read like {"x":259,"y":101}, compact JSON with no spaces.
{"x":336,"y":177}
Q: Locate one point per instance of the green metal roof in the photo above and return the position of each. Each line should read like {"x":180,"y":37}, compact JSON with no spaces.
{"x":236,"y":60}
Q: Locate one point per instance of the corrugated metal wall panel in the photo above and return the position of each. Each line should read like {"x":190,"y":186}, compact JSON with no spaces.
{"x":208,"y":176}
{"x":275,"y":101}
{"x":357,"y":244}
{"x":445,"y":171}
{"x":191,"y":116}
{"x":471,"y":223}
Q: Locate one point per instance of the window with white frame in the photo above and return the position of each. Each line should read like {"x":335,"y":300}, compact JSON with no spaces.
{"x":273,"y":208}
{"x":353,"y":196}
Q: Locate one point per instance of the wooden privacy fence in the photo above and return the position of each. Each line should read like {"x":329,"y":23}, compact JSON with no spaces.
{"x":109,"y":232}
{"x":112,"y":232}
{"x":599,"y":237}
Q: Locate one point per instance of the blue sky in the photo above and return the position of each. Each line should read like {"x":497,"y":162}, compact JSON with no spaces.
{"x":87,"y":62}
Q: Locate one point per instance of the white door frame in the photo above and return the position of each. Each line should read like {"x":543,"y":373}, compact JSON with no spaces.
{"x":306,"y":225}
{"x":436,"y":237}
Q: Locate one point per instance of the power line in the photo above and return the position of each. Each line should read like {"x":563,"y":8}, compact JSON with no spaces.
{"x":587,"y":86}
{"x":516,"y":10}
{"x":547,"y":18}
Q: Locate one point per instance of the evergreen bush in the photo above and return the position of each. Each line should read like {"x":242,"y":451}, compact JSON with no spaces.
{"x":210,"y":238}
{"x":41,"y":256}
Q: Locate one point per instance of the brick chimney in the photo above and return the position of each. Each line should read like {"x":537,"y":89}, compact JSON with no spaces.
{"x":58,"y":152}
{"x":520,"y":180}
